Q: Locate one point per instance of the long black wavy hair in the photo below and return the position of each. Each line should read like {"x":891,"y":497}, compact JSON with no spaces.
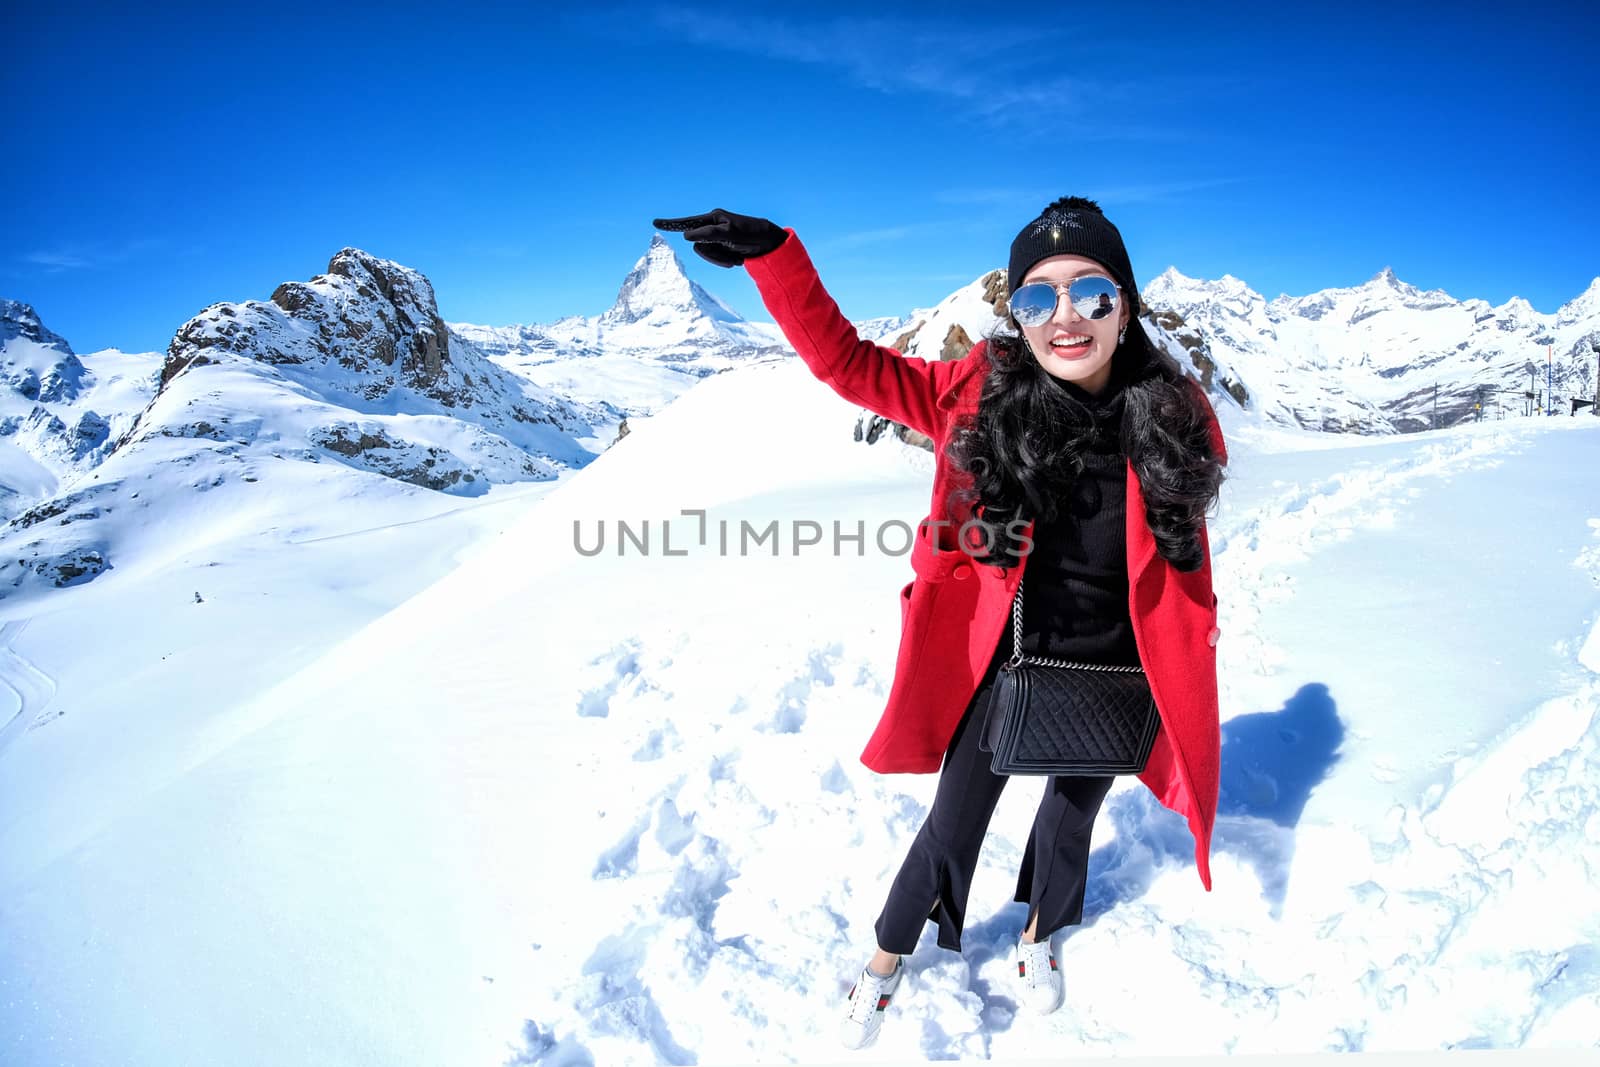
{"x":1024,"y":446}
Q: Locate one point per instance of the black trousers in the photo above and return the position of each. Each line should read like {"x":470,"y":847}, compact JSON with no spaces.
{"x":938,"y":868}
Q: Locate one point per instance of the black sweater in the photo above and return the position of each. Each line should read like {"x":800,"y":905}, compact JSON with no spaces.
{"x":1075,"y":588}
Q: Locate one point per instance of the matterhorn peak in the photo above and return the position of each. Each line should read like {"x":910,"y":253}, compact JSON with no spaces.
{"x":657,"y":286}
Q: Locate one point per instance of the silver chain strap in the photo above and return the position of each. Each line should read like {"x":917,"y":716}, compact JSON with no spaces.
{"x":1018,"y":659}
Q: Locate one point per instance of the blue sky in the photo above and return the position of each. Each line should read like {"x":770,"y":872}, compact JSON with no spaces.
{"x":169,"y":157}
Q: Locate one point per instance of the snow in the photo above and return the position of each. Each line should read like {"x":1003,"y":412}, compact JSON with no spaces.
{"x":413,"y":781}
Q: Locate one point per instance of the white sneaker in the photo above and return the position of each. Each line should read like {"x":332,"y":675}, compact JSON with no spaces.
{"x":1038,"y":978}
{"x":868,"y":999}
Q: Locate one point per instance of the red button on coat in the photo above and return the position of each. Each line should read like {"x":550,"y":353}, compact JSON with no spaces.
{"x":962,"y":571}
{"x":1211,"y":638}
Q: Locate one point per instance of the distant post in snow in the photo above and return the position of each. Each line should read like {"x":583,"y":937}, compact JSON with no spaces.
{"x":1549,"y":378}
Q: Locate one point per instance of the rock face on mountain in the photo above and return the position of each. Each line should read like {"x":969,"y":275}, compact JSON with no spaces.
{"x":368,"y":329}
{"x":367,"y":340}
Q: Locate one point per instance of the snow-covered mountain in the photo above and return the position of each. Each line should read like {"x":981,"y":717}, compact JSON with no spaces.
{"x":357,"y":366}
{"x":1363,"y":359}
{"x":60,"y":412}
{"x":1368,"y":358}
{"x":662,"y":335}
{"x":255,"y":401}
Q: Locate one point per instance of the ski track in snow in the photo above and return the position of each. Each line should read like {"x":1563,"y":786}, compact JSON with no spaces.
{"x":519,"y":497}
{"x":781,"y":962}
{"x":32,"y":689}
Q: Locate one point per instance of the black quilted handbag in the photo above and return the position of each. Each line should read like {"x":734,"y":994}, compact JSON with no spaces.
{"x":1048,"y":716}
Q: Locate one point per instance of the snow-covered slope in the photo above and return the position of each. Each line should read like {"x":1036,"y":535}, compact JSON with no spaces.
{"x":348,"y":377}
{"x":562,"y":808}
{"x":1367,"y":359}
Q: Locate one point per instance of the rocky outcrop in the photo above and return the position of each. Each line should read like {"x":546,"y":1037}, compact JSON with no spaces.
{"x":35,"y":552}
{"x":369,"y":316}
{"x":42,"y":433}
{"x":368,"y":330}
{"x":1198,"y":350}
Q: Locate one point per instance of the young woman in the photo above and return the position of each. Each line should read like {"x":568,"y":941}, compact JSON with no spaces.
{"x":1070,"y":449}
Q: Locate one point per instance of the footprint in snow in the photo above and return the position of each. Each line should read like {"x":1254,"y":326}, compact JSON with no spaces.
{"x":657,"y":743}
{"x":620,"y":667}
{"x":790,"y":715}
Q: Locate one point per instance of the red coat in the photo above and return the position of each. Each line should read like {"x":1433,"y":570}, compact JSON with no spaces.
{"x":953,"y":611}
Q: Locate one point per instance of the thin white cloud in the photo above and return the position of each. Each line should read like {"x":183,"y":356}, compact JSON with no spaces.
{"x":962,"y":62}
{"x":1157,"y":191}
{"x":922,"y":227}
{"x":54,"y":262}
{"x":992,"y":80}
{"x":861,"y":238}
{"x":993,"y":197}
{"x":882,"y":53}
{"x":1107,"y":196}
{"x":74,"y":256}
{"x":496,"y":250}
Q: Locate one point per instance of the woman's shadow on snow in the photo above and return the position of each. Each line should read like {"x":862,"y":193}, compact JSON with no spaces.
{"x":1271,"y":762}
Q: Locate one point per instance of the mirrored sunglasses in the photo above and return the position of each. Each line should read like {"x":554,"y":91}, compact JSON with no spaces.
{"x":1092,"y":296}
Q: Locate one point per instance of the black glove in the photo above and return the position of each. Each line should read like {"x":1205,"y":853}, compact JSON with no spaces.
{"x":724,"y":238}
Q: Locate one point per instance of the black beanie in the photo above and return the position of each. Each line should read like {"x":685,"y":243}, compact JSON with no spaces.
{"x":1073,"y":226}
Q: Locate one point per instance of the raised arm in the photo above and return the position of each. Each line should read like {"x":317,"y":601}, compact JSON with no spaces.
{"x":896,"y":386}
